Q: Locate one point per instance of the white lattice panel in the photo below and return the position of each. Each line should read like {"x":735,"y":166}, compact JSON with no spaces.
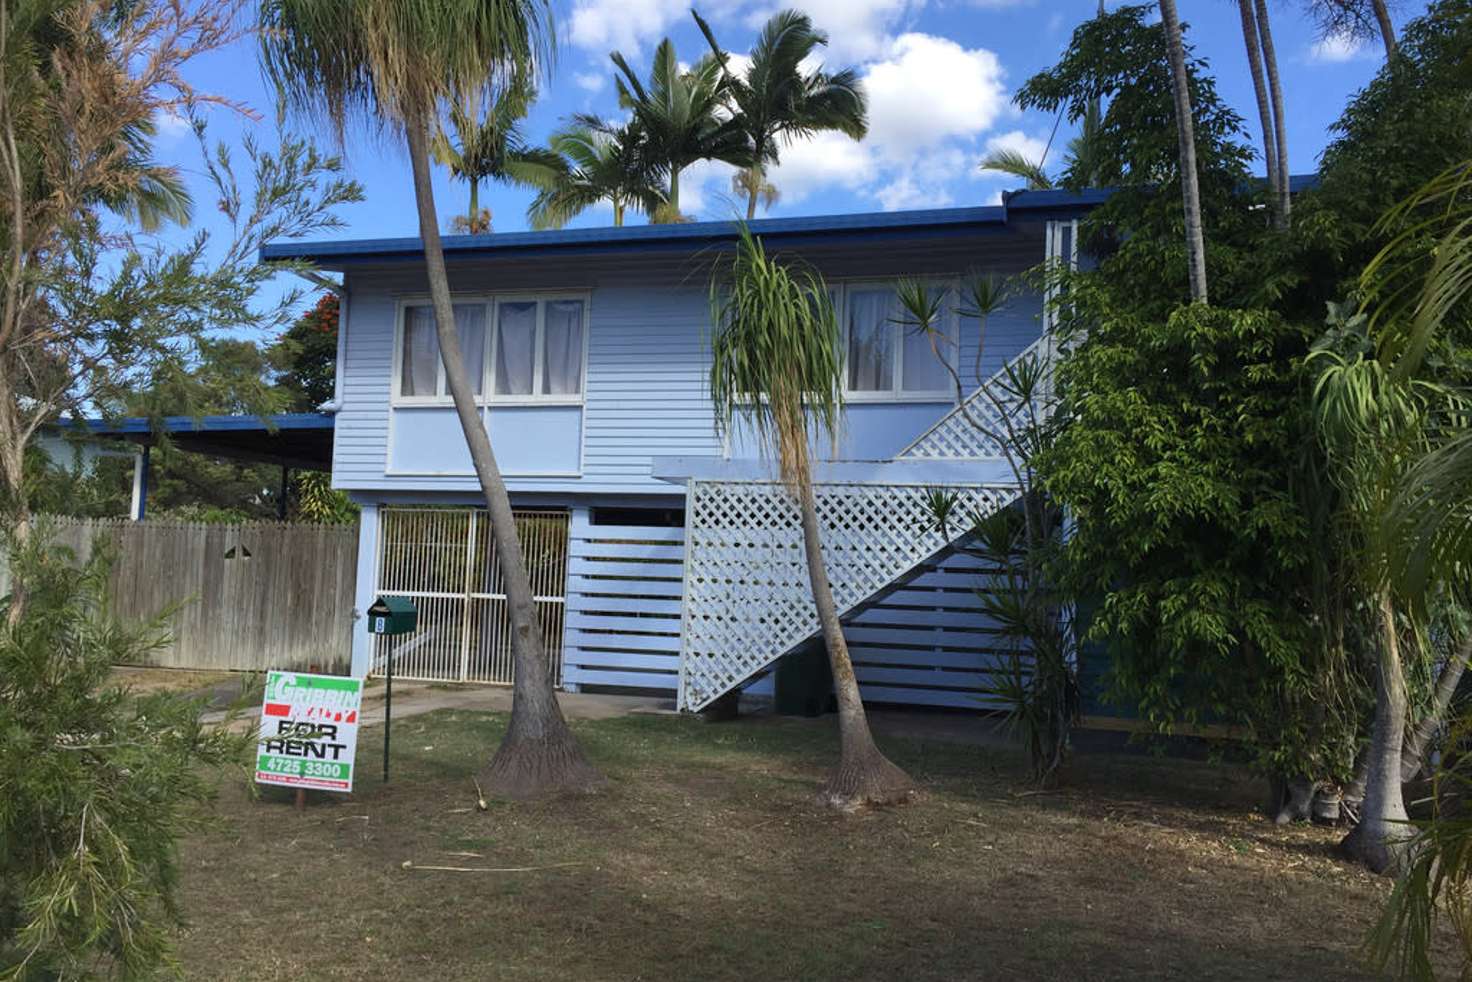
{"x":747,"y":598}
{"x":955,"y":437}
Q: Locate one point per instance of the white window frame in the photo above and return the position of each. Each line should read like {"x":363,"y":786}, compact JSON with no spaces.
{"x":491,"y":302}
{"x":895,"y":393}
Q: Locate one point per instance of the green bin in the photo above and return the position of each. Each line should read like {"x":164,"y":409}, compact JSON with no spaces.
{"x":804,"y":682}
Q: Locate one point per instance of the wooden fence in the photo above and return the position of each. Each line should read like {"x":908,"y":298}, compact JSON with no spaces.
{"x":257,"y":596}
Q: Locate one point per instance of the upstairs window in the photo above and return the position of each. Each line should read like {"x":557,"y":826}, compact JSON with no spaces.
{"x":422,"y":373}
{"x":539,"y":348}
{"x":886,"y":357}
{"x":515,"y":349}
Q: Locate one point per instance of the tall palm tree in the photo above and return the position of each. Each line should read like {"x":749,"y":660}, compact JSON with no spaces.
{"x":777,"y":364}
{"x":1186,"y":136}
{"x":492,"y":148}
{"x":681,"y":114}
{"x":1280,"y":124}
{"x":775,"y":101}
{"x":394,"y":63}
{"x":602,"y":162}
{"x":1260,"y":90}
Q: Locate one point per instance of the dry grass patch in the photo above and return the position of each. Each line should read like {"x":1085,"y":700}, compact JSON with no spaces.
{"x":708,"y":858}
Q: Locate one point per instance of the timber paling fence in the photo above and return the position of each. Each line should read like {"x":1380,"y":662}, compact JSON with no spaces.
{"x":247,"y":597}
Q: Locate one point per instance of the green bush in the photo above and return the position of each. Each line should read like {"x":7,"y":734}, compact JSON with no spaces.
{"x":96,"y":786}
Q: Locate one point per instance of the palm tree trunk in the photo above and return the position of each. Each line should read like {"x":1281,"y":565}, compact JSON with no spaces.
{"x":1186,"y":136}
{"x":674,"y":200}
{"x":751,"y":196}
{"x":1413,"y":754}
{"x":1264,"y":111}
{"x":1380,"y":838}
{"x":618,"y":213}
{"x":473,"y":225}
{"x":864,"y":775}
{"x":538,"y":754}
{"x":1387,"y":29}
{"x":1280,"y":123}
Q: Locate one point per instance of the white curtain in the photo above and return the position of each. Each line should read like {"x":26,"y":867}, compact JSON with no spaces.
{"x":421,"y":362}
{"x":562,"y":359}
{"x":921,"y":370}
{"x":470,"y":325}
{"x":870,"y":340}
{"x":516,"y":333}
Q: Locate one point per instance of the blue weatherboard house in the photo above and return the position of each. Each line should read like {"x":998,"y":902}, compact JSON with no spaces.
{"x":664,"y":557}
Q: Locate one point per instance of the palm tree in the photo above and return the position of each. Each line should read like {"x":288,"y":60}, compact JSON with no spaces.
{"x":752,"y":183}
{"x":1019,"y":165}
{"x":681,"y":114}
{"x":602,"y":162}
{"x":1419,"y":288}
{"x":1280,"y":126}
{"x":1186,"y":136}
{"x":394,"y":63}
{"x":775,"y":101}
{"x":777,"y":362}
{"x":493,"y":148}
{"x":1260,"y":89}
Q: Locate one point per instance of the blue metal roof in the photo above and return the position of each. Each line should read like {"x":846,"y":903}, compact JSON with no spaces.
{"x":687,"y":236}
{"x":301,"y":440}
{"x":139,"y":425}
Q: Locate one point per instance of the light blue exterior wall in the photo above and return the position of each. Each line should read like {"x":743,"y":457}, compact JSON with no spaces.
{"x":645,"y":385}
{"x":645,"y":397}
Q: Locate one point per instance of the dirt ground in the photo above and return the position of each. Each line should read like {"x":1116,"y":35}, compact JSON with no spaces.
{"x":707,"y":858}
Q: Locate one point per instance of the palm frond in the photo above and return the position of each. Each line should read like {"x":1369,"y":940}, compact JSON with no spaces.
{"x":1018,"y":164}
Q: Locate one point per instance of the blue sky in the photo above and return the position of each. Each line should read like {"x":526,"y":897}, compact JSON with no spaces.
{"x":940,"y":75}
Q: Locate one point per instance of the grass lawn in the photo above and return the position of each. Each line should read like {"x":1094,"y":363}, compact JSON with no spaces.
{"x":707,"y":858}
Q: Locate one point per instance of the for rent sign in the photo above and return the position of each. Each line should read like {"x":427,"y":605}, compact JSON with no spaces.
{"x":309,"y":728}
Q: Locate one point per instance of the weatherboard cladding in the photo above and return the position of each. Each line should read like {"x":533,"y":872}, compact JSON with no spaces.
{"x":647,"y":363}
{"x":927,"y":643}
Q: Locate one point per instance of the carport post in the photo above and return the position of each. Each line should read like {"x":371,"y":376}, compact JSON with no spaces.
{"x":281,"y":499}
{"x":140,"y":484}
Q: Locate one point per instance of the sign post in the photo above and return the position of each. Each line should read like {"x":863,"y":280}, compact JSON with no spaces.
{"x":309,"y":731}
{"x":390,"y":616}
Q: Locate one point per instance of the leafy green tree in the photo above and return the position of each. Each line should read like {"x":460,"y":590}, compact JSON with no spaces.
{"x":394,"y":64}
{"x":775,"y":101}
{"x":1120,"y":61}
{"x":91,"y":305}
{"x":306,"y":356}
{"x":604,"y":162}
{"x":681,"y":115}
{"x":777,"y":366}
{"x":1395,"y":135}
{"x":96,"y":785}
{"x":493,"y":148}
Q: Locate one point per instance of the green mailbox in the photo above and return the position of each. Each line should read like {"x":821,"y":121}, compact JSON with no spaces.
{"x":392,"y":615}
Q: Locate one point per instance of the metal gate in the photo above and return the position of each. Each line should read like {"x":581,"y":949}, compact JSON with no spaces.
{"x":445,"y":560}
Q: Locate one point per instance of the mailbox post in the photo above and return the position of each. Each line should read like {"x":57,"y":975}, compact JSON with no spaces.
{"x":390,"y":615}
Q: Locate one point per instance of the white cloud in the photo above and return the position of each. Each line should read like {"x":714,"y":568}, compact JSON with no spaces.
{"x":857,"y":29}
{"x":906,"y":192}
{"x":171,"y":126}
{"x":1336,"y":48}
{"x":929,"y":89}
{"x":705,"y":190}
{"x":621,"y":24}
{"x":590,"y":81}
{"x":829,"y":161}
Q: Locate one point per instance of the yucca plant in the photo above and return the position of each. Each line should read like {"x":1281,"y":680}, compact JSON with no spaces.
{"x":777,"y":366}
